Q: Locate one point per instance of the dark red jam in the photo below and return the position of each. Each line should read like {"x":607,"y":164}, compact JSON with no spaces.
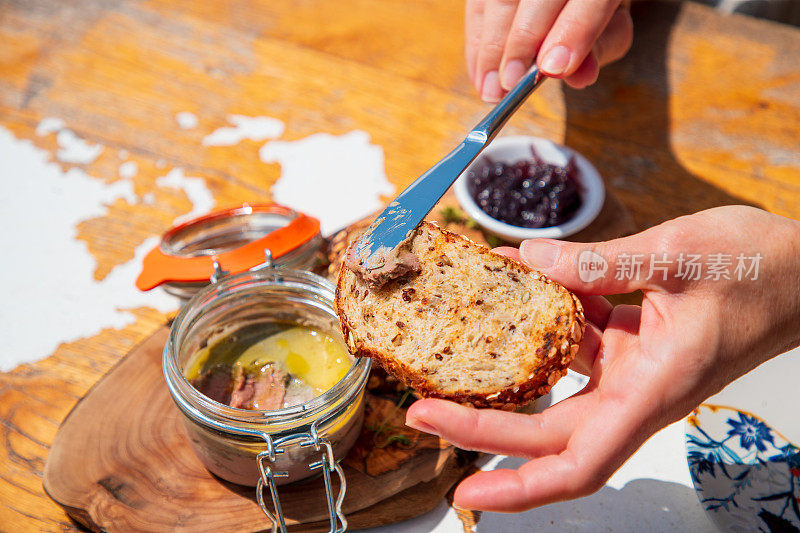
{"x":529,"y":193}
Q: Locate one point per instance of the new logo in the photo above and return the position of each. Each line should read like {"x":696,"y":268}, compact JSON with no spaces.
{"x":591,"y":266}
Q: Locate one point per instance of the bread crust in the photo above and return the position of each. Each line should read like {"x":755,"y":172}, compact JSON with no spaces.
{"x":557,"y":350}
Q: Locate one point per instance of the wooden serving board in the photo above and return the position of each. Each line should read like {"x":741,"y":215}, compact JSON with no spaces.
{"x":121,"y":462}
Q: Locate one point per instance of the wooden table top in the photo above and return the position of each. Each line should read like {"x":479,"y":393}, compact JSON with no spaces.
{"x":704,"y":111}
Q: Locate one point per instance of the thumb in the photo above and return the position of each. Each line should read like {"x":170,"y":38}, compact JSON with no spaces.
{"x":619,"y":266}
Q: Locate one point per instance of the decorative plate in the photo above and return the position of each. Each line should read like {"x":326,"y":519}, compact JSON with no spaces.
{"x":747,"y":475}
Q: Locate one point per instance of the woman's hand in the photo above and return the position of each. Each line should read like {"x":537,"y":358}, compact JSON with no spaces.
{"x":569,"y":39}
{"x":651,"y":365}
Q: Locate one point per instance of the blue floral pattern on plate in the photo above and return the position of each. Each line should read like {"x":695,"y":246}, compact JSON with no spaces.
{"x":746,"y":474}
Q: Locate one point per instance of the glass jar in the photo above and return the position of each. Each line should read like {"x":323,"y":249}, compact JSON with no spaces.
{"x":230,"y":241}
{"x":266,"y":448}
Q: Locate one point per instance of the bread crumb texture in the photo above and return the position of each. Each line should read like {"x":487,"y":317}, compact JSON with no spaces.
{"x":473,"y":326}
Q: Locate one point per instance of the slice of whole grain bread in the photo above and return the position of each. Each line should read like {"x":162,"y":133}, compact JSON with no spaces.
{"x":473,"y":326}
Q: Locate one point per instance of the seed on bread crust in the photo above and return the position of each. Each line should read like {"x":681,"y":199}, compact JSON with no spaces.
{"x":577,"y":331}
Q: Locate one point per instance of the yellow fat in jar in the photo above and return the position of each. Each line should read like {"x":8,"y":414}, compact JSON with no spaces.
{"x":197,"y":361}
{"x":312,"y":357}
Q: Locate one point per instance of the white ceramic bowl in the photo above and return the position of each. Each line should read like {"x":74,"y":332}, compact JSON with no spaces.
{"x":743,"y":450}
{"x":513,"y":149}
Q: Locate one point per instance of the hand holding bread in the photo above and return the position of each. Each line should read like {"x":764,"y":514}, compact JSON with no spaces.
{"x":649,"y":365}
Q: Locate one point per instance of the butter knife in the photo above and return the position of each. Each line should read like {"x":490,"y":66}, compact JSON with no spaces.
{"x":397,"y":222}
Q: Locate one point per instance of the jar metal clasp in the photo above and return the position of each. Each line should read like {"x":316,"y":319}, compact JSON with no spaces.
{"x":220,"y":273}
{"x":327,"y":463}
{"x":268,"y":261}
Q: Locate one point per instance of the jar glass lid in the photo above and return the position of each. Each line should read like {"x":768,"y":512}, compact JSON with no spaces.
{"x":235,"y":240}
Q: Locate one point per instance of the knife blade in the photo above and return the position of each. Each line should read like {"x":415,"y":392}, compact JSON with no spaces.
{"x":401,"y":217}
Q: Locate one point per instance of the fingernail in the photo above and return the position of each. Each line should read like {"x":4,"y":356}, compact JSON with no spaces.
{"x":491,"y":90}
{"x":556,"y":60}
{"x":419,"y":425}
{"x":512,"y":73}
{"x":538,"y":253}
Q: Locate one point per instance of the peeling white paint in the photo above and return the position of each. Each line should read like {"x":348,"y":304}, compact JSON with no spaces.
{"x":253,"y":128}
{"x":186,"y":120}
{"x":71,"y":148}
{"x":124,"y":190}
{"x":128,"y":169}
{"x":336,"y":178}
{"x":49,"y":125}
{"x":195,"y":189}
{"x":50,"y":294}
